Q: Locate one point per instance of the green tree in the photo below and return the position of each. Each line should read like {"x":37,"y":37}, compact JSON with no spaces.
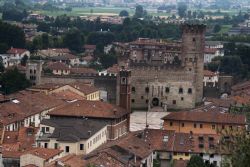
{"x":13,"y":81}
{"x":73,"y":40}
{"x":139,"y":12}
{"x":124,"y":13}
{"x":24,"y":60}
{"x":196,"y":161}
{"x":182,"y":8}
{"x":1,"y":65}
{"x":217,"y":28}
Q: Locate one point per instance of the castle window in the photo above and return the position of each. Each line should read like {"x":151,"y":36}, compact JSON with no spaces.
{"x":167,"y":89}
{"x":180,"y":90}
{"x":174,"y":101}
{"x":147,"y":101}
{"x":182,"y":98}
{"x":132,"y":100}
{"x":201,"y":126}
{"x":171,"y":123}
{"x":194,"y":125}
{"x":147,"y":89}
{"x":189,"y":90}
{"x":133,"y":89}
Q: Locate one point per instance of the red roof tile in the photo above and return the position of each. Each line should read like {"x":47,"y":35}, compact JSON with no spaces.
{"x":58,"y":66}
{"x":83,"y":70}
{"x":93,"y":47}
{"x":44,"y":153}
{"x":16,"y":51}
{"x":208,"y":73}
{"x":208,"y":117}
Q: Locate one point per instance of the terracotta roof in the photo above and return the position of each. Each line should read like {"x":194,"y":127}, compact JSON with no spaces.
{"x":225,"y":103}
{"x":208,"y":73}
{"x":241,"y":85}
{"x":67,"y":95}
{"x":84,"y":88}
{"x":83,"y":70}
{"x":243,"y":100}
{"x":60,"y":50}
{"x":16,"y":51}
{"x":210,"y":50}
{"x":66,"y":56}
{"x":92,"y":109}
{"x":16,"y":143}
{"x":90,"y":47}
{"x":58,"y":66}
{"x":88,"y":58}
{"x":209,"y":117}
{"x":70,"y":160}
{"x":44,"y":153}
{"x":114,"y":69}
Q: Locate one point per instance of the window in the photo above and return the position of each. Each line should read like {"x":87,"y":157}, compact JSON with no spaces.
{"x":174,"y":101}
{"x":167,"y":90}
{"x":47,"y":129}
{"x":171,"y":123}
{"x":147,"y":101}
{"x":194,"y":39}
{"x":133,"y":89}
{"x":230,"y":127}
{"x":186,"y":154}
{"x":66,"y":149}
{"x":194,"y":125}
{"x":81,"y":146}
{"x":213,"y":126}
{"x":142,"y":97}
{"x":43,"y":129}
{"x":223,"y":127}
{"x":147,"y":89}
{"x":45,"y":145}
{"x":30,"y":71}
{"x":201,"y":126}
{"x":180,"y":90}
{"x":123,"y":80}
{"x":132,"y":100}
{"x":212,"y":155}
{"x":56,"y":145}
{"x":182,"y":124}
{"x":189,"y":90}
{"x":182,"y":98}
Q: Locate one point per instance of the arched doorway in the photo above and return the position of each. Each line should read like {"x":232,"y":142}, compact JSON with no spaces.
{"x":155,"y":102}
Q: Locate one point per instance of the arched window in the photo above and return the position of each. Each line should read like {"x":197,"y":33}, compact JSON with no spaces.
{"x":180,"y":90}
{"x":147,"y":89}
{"x":189,"y":90}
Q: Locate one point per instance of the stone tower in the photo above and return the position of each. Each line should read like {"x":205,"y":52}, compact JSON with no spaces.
{"x":123,"y":88}
{"x":193,"y":41}
{"x":34,"y":71}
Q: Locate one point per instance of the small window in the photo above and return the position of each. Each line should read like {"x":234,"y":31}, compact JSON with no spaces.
{"x":186,"y":154}
{"x":182,"y":124}
{"x":201,"y":126}
{"x":212,"y":156}
{"x":189,"y":90}
{"x":81,"y":146}
{"x":223,"y":127}
{"x":132,"y":100}
{"x":142,"y":97}
{"x":174,"y":102}
{"x":47,"y":129}
{"x":194,"y":39}
{"x":194,"y":125}
{"x":171,"y":123}
{"x":123,"y":80}
{"x":66,"y":149}
{"x":182,"y":98}
{"x":213,"y":126}
{"x":180,"y":90}
{"x":45,"y":145}
{"x":147,"y":101}
{"x":133,"y":89}
{"x":147,"y":89}
{"x":56,"y":146}
{"x":167,"y":90}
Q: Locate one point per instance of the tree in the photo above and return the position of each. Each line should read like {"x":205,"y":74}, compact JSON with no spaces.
{"x":217,"y":28}
{"x":196,"y":161}
{"x":124,"y":13}
{"x":73,"y":40}
{"x":139,"y":12}
{"x":24,"y":60}
{"x":13,"y":81}
{"x":1,"y":65}
{"x":182,"y":7}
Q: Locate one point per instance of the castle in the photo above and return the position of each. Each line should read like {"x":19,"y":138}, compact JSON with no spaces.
{"x":162,"y":74}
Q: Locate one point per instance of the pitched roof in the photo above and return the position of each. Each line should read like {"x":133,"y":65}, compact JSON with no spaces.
{"x":71,"y":160}
{"x":84,"y":88}
{"x":90,"y":47}
{"x":73,"y":129}
{"x":210,"y":50}
{"x":64,"y":57}
{"x":16,"y":51}
{"x":91,"y":109}
{"x":208,"y":117}
{"x":83,"y":71}
{"x":58,"y":66}
{"x":44,"y":153}
{"x":208,"y":73}
{"x":114,"y":69}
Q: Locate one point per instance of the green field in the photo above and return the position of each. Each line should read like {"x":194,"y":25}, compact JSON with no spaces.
{"x":224,"y":29}
{"x":96,"y":11}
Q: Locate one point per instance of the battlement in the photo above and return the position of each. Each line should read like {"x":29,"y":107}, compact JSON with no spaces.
{"x":193,"y":28}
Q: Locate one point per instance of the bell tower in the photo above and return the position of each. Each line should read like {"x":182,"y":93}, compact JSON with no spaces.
{"x":193,"y":43}
{"x":123,"y":87}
